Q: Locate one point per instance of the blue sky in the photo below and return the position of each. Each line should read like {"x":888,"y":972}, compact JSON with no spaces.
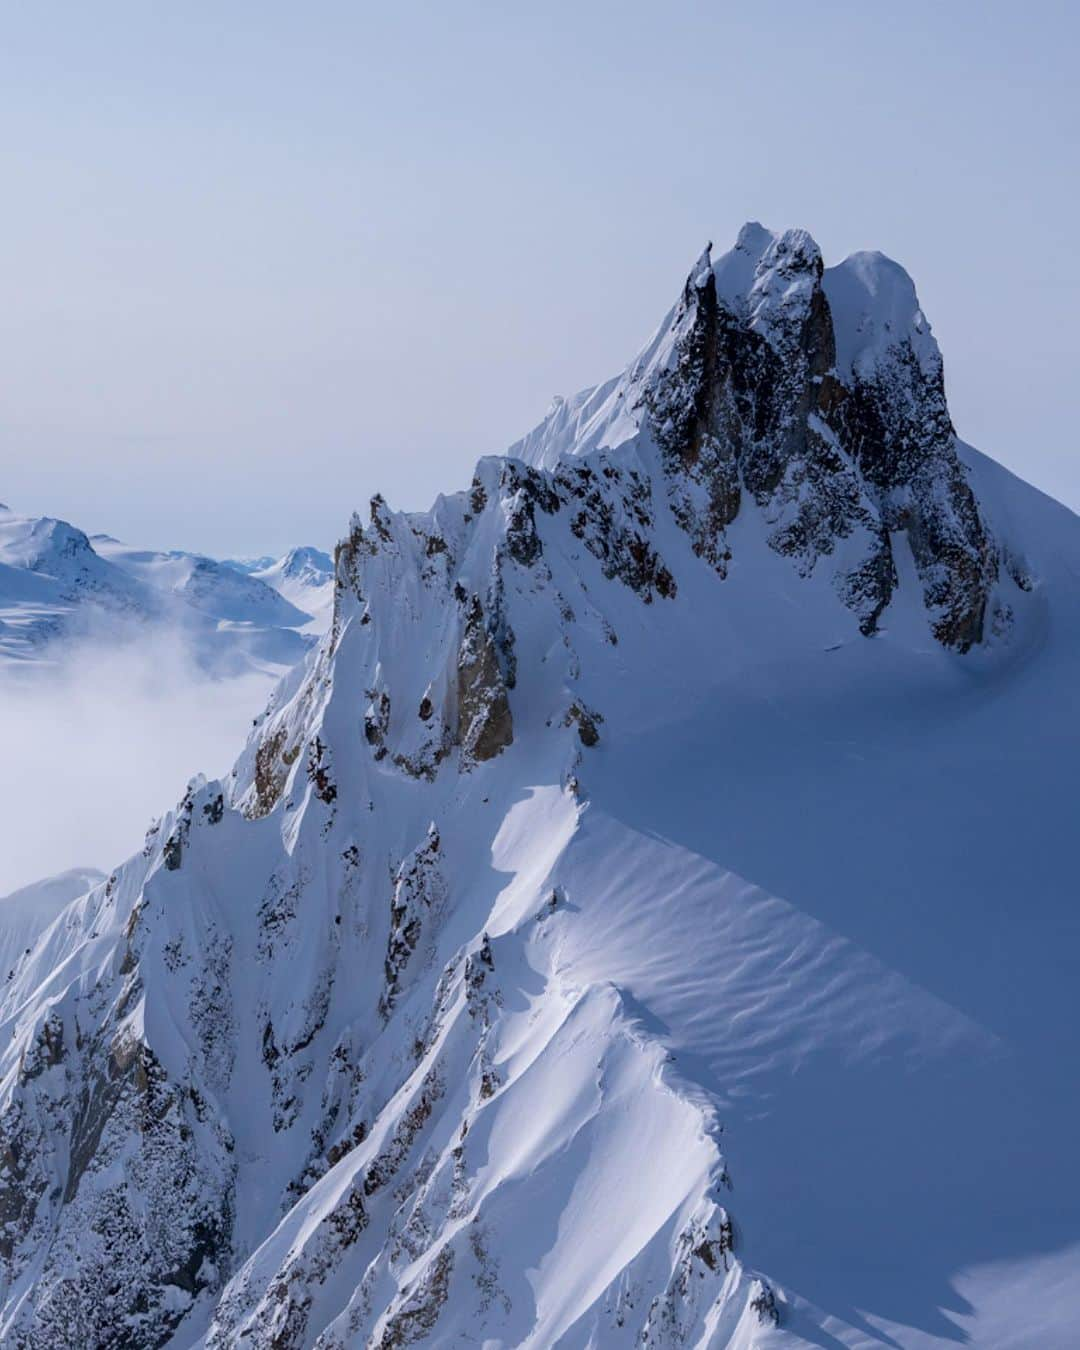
{"x":261,"y":260}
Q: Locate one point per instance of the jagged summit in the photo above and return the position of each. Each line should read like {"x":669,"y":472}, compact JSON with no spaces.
{"x":425,"y":1025}
{"x":871,"y":298}
{"x":814,"y":396}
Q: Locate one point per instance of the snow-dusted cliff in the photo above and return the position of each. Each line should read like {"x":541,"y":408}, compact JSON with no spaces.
{"x":550,"y":944}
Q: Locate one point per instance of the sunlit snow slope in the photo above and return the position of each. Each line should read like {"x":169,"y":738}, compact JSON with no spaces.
{"x":27,"y":912}
{"x":647,"y":919}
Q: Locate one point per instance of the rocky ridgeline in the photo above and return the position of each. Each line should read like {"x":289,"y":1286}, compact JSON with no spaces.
{"x":251,"y":1087}
{"x":818,"y":396}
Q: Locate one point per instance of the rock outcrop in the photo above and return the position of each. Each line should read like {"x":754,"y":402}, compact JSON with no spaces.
{"x":817,"y":395}
{"x":485,"y":726}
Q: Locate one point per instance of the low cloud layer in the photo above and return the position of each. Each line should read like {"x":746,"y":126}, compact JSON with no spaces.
{"x":96,"y":747}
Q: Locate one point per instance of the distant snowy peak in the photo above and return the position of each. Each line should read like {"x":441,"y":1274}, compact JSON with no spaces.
{"x":814,"y":396}
{"x":51,"y":547}
{"x":305,"y":578}
{"x":57,"y":583}
{"x":301,"y":566}
{"x":309,"y":563}
{"x":51,"y":578}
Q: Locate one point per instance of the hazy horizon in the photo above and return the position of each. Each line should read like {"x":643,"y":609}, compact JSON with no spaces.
{"x":261,"y":264}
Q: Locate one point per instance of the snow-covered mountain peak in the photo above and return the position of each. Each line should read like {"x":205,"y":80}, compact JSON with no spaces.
{"x":44,"y":545}
{"x":426,"y":1024}
{"x":812,"y":400}
{"x":876,"y":314}
{"x":305,"y":577}
{"x":307,"y":562}
{"x":767,"y":275}
{"x":873,"y":308}
{"x":768,"y":280}
{"x":304,"y":566}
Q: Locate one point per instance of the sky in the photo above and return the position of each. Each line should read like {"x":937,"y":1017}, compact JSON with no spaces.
{"x":261,"y":260}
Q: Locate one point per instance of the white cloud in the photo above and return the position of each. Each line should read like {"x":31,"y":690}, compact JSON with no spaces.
{"x":96,"y":747}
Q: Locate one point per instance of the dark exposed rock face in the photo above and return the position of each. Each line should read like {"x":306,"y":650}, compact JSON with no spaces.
{"x":528,"y":491}
{"x":897,"y":427}
{"x":612,"y":514}
{"x":485,"y":726}
{"x":272,"y":763}
{"x":752,"y":403}
{"x":124,"y":1114}
{"x":587,"y":723}
{"x":419,"y":890}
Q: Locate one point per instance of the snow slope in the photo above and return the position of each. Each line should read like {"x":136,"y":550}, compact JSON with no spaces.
{"x":647,"y":918}
{"x":27,"y":912}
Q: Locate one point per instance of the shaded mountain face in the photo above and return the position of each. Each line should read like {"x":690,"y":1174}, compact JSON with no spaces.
{"x":432,"y":1022}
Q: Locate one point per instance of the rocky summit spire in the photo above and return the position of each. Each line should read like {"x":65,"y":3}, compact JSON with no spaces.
{"x":815,"y":398}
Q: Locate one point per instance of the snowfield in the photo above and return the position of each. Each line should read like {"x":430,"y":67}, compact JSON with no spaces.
{"x":647,"y":918}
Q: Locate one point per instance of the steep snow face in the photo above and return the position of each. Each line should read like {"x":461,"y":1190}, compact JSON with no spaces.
{"x":877,"y":318}
{"x":27,"y":912}
{"x":57,"y":583}
{"x":547,"y":965}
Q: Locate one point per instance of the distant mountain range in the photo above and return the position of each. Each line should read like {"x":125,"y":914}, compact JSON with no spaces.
{"x":58,"y":584}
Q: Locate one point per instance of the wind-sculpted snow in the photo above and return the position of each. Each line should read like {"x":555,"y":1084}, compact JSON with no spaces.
{"x":445,"y":1019}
